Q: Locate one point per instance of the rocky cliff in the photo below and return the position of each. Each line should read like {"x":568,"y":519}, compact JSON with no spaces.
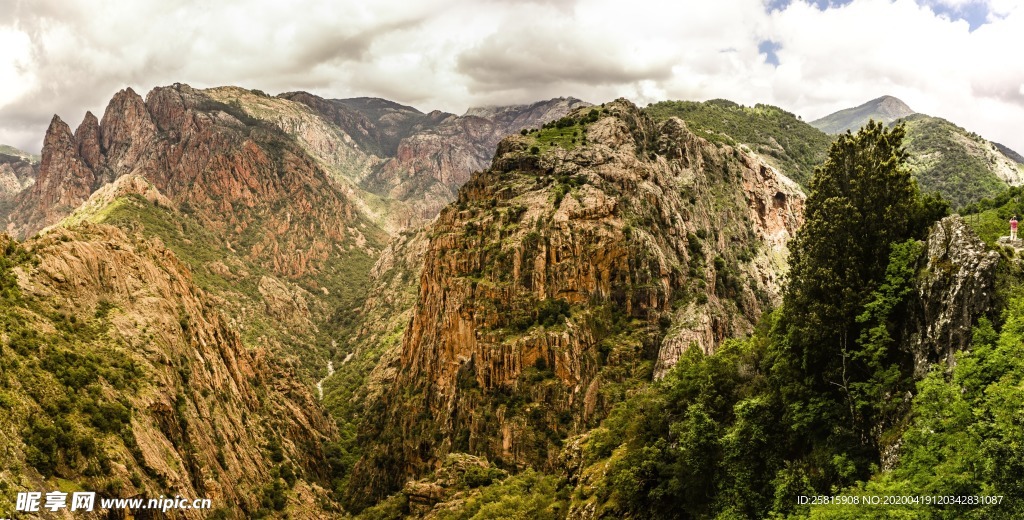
{"x":248,"y":181}
{"x":590,"y":255}
{"x":253,"y":198}
{"x":17,"y":172}
{"x":430,"y":165}
{"x":122,"y":376}
{"x":426,"y":157}
{"x":957,"y":286}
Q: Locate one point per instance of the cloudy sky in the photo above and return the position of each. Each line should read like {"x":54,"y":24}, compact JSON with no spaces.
{"x":958,"y":59}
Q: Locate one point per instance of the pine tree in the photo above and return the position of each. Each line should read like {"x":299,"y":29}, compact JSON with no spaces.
{"x":863,"y":200}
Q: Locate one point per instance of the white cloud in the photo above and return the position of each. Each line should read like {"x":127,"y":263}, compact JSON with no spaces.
{"x":67,"y":57}
{"x":15,"y":78}
{"x":874,"y":47}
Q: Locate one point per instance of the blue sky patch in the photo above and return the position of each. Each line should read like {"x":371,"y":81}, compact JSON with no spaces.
{"x":769,"y":49}
{"x":778,"y":5}
{"x":974,"y":13}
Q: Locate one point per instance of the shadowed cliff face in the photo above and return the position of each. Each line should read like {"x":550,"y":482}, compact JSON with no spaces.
{"x":109,"y":341}
{"x":586,"y":259}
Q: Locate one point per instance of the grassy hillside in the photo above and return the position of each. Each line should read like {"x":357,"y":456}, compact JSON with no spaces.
{"x":959,"y":164}
{"x":791,"y":145}
{"x":944,"y":158}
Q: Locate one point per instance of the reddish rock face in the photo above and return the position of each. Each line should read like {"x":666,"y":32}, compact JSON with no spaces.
{"x":127,"y":132}
{"x":246,"y":180}
{"x":430,"y":165}
{"x":556,"y":274}
{"x":204,"y":406}
{"x":65,"y":180}
{"x":87,"y":141}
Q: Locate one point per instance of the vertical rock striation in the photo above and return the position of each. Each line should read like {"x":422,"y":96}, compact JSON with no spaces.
{"x":244,"y":179}
{"x":567,"y":270}
{"x":203,"y":408}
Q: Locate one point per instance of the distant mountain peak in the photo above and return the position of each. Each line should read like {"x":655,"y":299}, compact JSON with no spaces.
{"x":16,"y":152}
{"x":890,"y":105}
{"x":885,"y":109}
{"x":570,"y":101}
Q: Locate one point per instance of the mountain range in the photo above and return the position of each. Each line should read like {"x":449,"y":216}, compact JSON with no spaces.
{"x":311,"y":308}
{"x":945,"y":158}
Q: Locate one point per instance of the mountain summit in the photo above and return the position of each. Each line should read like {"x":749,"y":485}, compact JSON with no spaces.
{"x":885,"y":109}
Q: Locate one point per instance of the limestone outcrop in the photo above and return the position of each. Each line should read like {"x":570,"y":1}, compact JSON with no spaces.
{"x":956,"y":287}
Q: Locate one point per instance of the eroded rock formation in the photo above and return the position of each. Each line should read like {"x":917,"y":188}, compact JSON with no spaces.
{"x":559,"y":273}
{"x":427,"y":157}
{"x":956,"y":287}
{"x":203,"y":408}
{"x":246,"y":180}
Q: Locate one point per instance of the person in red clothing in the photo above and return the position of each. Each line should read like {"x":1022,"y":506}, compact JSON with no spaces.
{"x":1013,"y":228}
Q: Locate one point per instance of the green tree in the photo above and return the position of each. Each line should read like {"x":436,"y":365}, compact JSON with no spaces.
{"x":862,"y":202}
{"x":876,"y":353}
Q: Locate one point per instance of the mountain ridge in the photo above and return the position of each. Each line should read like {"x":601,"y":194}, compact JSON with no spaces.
{"x":17,"y":152}
{"x":885,"y":109}
{"x":234,"y":247}
{"x":782,"y":138}
{"x":427,"y":156}
{"x":961,"y":165}
{"x":604,"y":215}
{"x":944,"y":157}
